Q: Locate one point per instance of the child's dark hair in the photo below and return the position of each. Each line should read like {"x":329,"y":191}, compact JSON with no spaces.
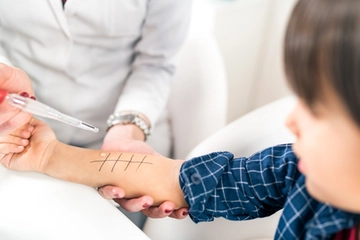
{"x":322,"y":48}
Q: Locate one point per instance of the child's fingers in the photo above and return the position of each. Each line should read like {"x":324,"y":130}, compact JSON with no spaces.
{"x":14,"y":140}
{"x":14,"y":144}
{"x":23,"y":132}
{"x":6,"y":148}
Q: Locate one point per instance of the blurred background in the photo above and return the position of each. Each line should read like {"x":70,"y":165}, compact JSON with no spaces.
{"x":249,"y":34}
{"x":230,"y":65}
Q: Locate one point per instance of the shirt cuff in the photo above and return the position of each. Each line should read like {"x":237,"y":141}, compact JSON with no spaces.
{"x":198,"y":180}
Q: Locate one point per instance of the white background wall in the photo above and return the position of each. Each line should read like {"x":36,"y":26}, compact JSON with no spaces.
{"x":250,"y":35}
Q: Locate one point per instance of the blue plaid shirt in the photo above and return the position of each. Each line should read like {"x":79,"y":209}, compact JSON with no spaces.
{"x":219,"y":185}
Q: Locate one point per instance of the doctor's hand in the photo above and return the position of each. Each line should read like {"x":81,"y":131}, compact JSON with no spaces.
{"x":143,"y":204}
{"x":13,"y":80}
{"x":120,"y":138}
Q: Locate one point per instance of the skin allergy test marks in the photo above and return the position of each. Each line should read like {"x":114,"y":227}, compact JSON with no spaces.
{"x":108,"y":158}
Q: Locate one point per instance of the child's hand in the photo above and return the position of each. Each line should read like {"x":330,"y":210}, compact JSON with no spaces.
{"x":16,"y":141}
{"x":24,"y":149}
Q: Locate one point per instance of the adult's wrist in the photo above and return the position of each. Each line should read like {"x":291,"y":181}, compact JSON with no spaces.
{"x":127,"y":131}
{"x":130,"y":118}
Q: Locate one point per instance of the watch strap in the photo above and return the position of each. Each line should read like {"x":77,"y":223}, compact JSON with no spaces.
{"x":130,"y":117}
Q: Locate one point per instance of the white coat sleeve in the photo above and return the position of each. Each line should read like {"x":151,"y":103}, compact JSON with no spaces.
{"x":148,"y":86}
{"x":3,"y":56}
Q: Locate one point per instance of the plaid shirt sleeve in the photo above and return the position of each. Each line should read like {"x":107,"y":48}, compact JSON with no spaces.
{"x":219,"y":185}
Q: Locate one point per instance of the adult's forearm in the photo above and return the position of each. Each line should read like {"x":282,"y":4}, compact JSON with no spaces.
{"x":137,"y":174}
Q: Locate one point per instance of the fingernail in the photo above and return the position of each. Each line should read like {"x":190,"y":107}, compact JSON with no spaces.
{"x":185,"y":213}
{"x":25,"y":133}
{"x":116,"y":194}
{"x":33,"y":97}
{"x":146,"y":205}
{"x":168,"y":211}
{"x":30,"y":128}
{"x":24,"y":94}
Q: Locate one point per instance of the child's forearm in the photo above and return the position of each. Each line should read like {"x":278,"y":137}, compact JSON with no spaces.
{"x":137,"y":174}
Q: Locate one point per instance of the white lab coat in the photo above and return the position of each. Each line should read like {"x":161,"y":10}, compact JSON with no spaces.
{"x":94,"y":57}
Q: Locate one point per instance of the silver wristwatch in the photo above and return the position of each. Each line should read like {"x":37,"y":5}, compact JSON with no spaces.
{"x":130,"y":117}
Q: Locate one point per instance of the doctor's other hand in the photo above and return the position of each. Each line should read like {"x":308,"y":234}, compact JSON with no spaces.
{"x":130,"y":138}
{"x":143,"y":204}
{"x":13,"y":80}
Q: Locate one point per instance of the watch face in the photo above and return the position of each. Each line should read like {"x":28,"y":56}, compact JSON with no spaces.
{"x":127,"y":118}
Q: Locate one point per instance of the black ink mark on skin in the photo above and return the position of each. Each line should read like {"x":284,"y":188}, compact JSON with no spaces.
{"x":141,"y":163}
{"x":128,"y":161}
{"x":116,"y":162}
{"x":104,"y":162}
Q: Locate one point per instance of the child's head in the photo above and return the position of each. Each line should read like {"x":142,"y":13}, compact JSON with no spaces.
{"x":322,"y":64}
